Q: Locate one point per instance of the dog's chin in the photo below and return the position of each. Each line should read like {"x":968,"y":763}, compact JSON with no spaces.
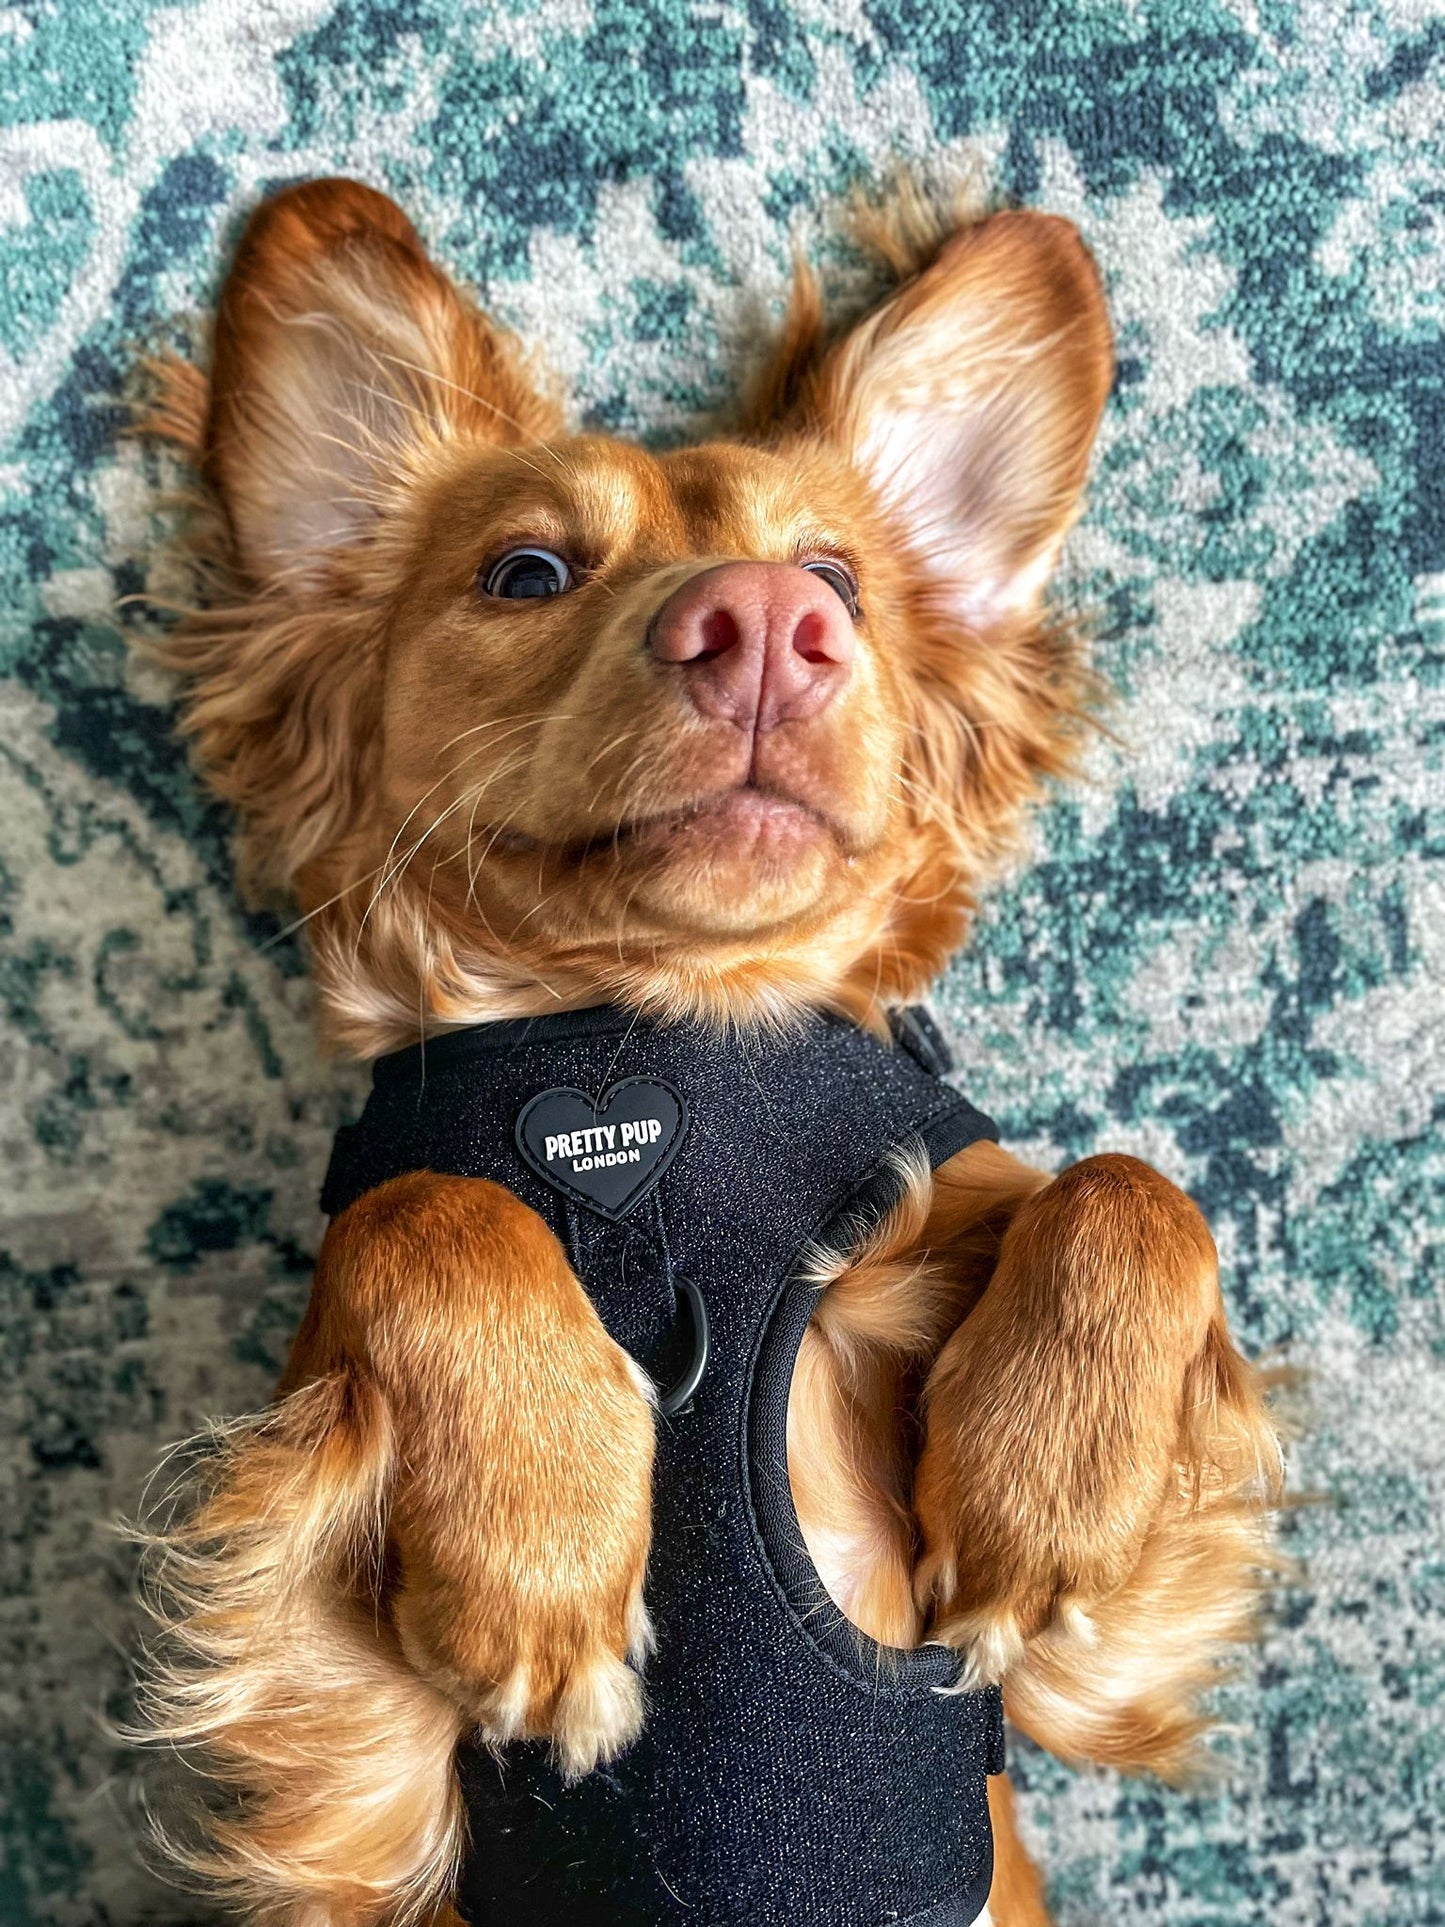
{"x":745,"y":862}
{"x":746,"y":827}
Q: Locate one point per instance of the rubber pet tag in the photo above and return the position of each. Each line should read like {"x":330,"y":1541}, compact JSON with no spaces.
{"x":606,"y":1154}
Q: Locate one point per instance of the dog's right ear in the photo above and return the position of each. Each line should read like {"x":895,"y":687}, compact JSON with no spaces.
{"x":969,"y":401}
{"x":341,"y":354}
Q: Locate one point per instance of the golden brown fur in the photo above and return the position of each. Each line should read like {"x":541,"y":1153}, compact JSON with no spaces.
{"x":487,"y":809}
{"x":323,"y":680}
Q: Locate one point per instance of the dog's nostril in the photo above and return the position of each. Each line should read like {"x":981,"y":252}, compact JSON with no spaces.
{"x":719,"y":634}
{"x":810,"y":639}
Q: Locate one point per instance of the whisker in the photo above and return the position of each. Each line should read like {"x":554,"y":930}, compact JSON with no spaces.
{"x":513,"y":729}
{"x":483,"y":401}
{"x":390,"y":879}
{"x":299,"y":923}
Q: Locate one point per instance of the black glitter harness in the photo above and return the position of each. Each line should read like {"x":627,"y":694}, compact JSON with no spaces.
{"x":791,"y":1772}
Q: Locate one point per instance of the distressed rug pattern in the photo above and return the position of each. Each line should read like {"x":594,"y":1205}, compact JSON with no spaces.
{"x":1226,"y":956}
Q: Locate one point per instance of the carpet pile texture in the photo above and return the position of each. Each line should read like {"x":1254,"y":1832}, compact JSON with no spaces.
{"x":1226,"y":955}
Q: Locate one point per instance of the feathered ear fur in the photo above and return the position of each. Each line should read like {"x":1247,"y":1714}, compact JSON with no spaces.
{"x":343,"y":361}
{"x":970,"y":400}
{"x":339,"y":349}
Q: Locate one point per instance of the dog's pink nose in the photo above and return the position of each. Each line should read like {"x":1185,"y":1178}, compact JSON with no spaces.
{"x":762,"y":643}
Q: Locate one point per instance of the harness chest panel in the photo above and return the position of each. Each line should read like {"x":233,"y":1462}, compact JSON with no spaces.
{"x":791,"y":1772}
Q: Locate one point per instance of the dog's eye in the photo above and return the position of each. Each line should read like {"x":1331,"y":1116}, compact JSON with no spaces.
{"x":840,"y":580}
{"x":522,"y":573}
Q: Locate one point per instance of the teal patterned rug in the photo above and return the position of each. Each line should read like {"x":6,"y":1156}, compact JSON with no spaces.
{"x":1227,"y":955}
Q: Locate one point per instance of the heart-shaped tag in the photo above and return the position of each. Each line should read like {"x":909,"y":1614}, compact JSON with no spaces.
{"x":608,"y":1154}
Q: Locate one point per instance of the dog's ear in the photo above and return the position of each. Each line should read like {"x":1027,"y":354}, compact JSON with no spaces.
{"x":970,"y":400}
{"x":341,"y":352}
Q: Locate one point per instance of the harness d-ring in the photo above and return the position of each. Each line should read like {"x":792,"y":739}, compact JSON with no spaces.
{"x":681,"y":1394}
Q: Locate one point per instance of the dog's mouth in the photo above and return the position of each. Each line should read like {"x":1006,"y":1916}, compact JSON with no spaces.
{"x":744,"y":823}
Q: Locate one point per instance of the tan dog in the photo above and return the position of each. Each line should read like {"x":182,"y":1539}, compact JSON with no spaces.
{"x":524,"y":721}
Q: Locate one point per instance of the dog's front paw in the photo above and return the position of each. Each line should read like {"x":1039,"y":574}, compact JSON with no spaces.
{"x":990,"y":1634}
{"x":1053,"y":1414}
{"x":587,"y":1700}
{"x":520,"y":1589}
{"x":992,"y":1578}
{"x":570,"y":1687}
{"x":555,"y":1658}
{"x":521,"y":1497}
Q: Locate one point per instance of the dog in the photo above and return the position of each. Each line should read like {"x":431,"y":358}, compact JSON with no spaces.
{"x":530,"y":725}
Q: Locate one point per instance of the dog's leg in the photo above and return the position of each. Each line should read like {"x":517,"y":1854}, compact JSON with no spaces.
{"x":521,"y":1518}
{"x":1095,"y":1457}
{"x":884,"y":1311}
{"x":1119,"y":1685}
{"x":1016,"y":1895}
{"x":443,"y":1524}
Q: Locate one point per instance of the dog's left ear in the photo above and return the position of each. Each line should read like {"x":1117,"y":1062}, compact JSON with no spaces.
{"x":341,"y":350}
{"x":970,"y":402}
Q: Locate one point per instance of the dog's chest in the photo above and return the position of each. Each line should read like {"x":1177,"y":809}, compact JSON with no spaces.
{"x":688,"y":1173}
